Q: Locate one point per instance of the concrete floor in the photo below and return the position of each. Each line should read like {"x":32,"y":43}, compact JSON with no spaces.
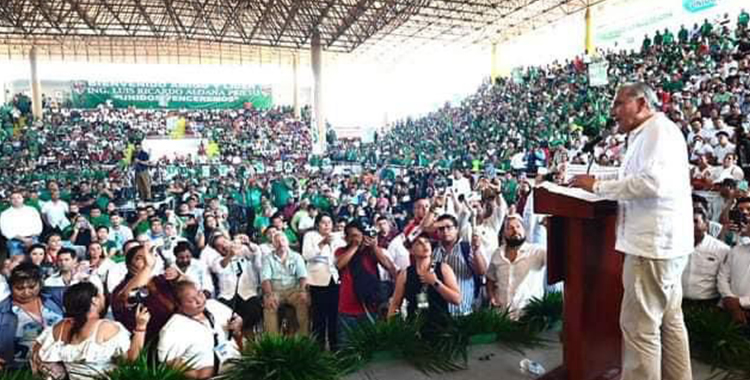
{"x":503,"y":365}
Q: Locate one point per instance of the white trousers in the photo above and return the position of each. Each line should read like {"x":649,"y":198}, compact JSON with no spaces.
{"x":654,"y":338}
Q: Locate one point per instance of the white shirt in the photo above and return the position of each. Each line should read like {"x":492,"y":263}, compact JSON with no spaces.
{"x":246,"y":269}
{"x":115,"y":274}
{"x":209,"y":256}
{"x":518,"y":282}
{"x":399,"y":256}
{"x":199,"y":275}
{"x":699,"y":277}
{"x":536,"y":232}
{"x":734,"y":275}
{"x":721,"y":151}
{"x":461,"y":186}
{"x":489,"y":229}
{"x":55,"y":213}
{"x":266,"y":249}
{"x":305,"y":222}
{"x":120,"y":235}
{"x":655,"y":207}
{"x":700,"y":150}
{"x":720,"y":173}
{"x":321,"y":263}
{"x":4,"y":288}
{"x":56,"y":280}
{"x":190,"y":341}
{"x":22,"y":221}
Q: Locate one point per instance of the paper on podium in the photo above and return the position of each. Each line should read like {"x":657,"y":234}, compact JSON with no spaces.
{"x":572,"y":192}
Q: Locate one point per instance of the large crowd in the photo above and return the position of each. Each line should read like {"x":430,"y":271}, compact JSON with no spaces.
{"x":106,"y":252}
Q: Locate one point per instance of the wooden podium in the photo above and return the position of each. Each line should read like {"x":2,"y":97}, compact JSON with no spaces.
{"x":581,"y":252}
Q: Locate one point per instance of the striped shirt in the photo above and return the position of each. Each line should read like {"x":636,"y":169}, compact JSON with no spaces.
{"x":464,"y":277}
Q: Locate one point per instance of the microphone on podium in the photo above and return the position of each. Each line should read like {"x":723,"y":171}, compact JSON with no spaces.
{"x":589,"y":147}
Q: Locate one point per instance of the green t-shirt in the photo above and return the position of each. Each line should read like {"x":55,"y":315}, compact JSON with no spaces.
{"x":291,"y":236}
{"x":44,"y":195}
{"x":476,"y":165}
{"x":682,"y":35}
{"x":281,"y":193}
{"x":102,"y":201}
{"x":261,"y":222}
{"x":743,"y":19}
{"x":142,"y":228}
{"x":509,"y":191}
{"x":102,"y":220}
{"x":321,"y":202}
{"x":33,"y":203}
{"x":668,"y":38}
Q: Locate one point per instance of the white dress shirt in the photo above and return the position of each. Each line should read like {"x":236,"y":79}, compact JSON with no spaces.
{"x":190,"y":341}
{"x":721,"y":151}
{"x":56,"y":280}
{"x":399,"y":256}
{"x":55,"y":212}
{"x":699,"y":277}
{"x":518,"y":282}
{"x":246,"y":270}
{"x":199,"y":275}
{"x":4,"y":288}
{"x":461,"y":187}
{"x":321,"y":263}
{"x":120,"y":235}
{"x":655,"y":209}
{"x":720,"y":173}
{"x":209,"y":256}
{"x":489,"y":229}
{"x":734,"y":275}
{"x":23,"y":221}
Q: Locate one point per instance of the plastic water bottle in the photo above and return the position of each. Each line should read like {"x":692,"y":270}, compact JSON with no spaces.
{"x":532,"y":368}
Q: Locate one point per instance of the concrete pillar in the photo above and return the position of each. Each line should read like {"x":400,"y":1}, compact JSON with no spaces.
{"x":590,"y":49}
{"x":36,"y":87}
{"x":318,"y":115}
{"x":295,"y":86}
{"x":493,"y":61}
{"x":4,"y":96}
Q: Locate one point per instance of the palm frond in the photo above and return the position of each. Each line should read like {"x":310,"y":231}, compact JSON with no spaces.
{"x":145,"y":367}
{"x":19,"y":374}
{"x":509,"y":333}
{"x":431,"y":348}
{"x":718,"y":341}
{"x":276,"y":357}
{"x":544,"y":313}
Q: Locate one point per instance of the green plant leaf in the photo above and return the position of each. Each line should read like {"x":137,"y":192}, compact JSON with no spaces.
{"x":20,"y":374}
{"x":276,"y":357}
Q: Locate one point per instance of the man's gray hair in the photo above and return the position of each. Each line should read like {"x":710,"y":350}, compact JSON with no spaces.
{"x":641,"y":90}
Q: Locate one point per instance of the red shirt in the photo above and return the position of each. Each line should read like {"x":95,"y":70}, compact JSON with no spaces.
{"x":348,"y":301}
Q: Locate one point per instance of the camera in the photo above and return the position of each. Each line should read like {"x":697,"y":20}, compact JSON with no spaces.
{"x":737,"y":217}
{"x":371,"y":231}
{"x":137,"y":297}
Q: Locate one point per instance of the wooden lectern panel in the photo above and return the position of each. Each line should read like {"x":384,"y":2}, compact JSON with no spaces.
{"x":580,"y":251}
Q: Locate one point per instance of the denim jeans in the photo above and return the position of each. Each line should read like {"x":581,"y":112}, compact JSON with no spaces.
{"x":348,"y":322}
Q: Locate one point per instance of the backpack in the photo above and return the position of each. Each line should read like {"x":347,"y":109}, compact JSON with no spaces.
{"x":466,"y":253}
{"x":368,"y":287}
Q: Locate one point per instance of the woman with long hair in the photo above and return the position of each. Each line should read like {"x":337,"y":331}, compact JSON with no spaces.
{"x":318,"y":250}
{"x":84,"y":342}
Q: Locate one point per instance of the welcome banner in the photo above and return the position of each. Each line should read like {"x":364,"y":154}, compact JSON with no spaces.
{"x":170,"y":95}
